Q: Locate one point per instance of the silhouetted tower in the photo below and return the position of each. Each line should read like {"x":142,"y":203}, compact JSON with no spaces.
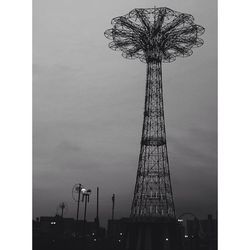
{"x":154,"y":35}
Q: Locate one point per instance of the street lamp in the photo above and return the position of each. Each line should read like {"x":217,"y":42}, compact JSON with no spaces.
{"x":76,"y":195}
{"x":85,"y":196}
{"x":77,"y":191}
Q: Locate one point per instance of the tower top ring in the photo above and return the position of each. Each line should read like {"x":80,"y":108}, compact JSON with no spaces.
{"x":154,"y":33}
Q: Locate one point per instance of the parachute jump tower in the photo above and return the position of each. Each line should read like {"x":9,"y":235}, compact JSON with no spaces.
{"x":155,"y":36}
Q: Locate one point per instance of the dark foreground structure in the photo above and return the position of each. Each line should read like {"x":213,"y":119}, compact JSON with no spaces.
{"x":165,"y":234}
{"x":145,"y":234}
{"x":57,"y":233}
{"x":154,"y":35}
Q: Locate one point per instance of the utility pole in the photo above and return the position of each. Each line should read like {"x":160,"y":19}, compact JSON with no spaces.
{"x":113,"y":206}
{"x":97,"y":207}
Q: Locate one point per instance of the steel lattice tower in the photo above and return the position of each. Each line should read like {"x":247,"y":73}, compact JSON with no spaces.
{"x":154,"y":35}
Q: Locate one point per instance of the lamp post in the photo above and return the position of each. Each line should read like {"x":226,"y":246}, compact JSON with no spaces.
{"x":76,"y":195}
{"x":77,"y":191}
{"x":85,"y":198}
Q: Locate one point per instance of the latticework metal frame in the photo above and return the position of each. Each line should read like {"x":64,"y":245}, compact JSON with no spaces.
{"x":154,"y":35}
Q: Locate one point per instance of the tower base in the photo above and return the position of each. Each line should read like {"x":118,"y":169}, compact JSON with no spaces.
{"x":153,"y":234}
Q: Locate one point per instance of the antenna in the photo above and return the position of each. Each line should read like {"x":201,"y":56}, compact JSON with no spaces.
{"x":62,"y":206}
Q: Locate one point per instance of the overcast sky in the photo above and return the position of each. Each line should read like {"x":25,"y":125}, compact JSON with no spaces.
{"x":88,"y":109}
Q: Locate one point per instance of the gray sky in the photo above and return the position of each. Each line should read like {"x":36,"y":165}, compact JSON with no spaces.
{"x":88,"y":109}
